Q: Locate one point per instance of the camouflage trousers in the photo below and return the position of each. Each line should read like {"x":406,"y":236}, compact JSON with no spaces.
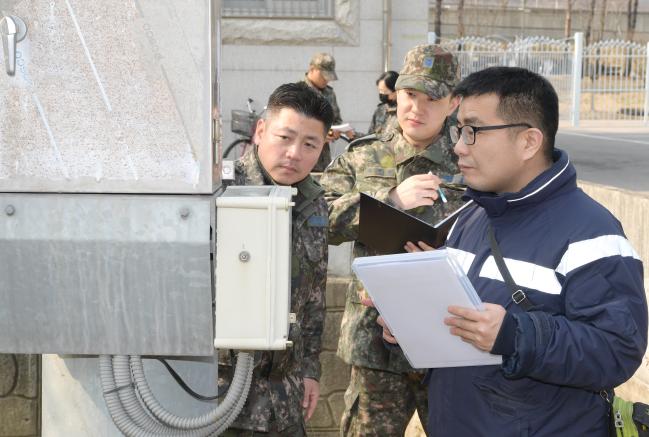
{"x":291,"y":431}
{"x":324,"y":159}
{"x":379,"y":403}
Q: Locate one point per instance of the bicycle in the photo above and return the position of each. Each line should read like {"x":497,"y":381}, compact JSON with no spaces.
{"x":244,"y":124}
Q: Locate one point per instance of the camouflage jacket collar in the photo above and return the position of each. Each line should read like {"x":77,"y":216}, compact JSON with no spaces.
{"x":309,"y":188}
{"x":253,"y":170}
{"x":388,"y":108}
{"x":404,"y":151}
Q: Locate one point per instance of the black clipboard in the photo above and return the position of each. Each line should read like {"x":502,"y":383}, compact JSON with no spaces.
{"x":386,"y":229}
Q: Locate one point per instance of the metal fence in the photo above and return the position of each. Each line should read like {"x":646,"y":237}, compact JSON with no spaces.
{"x":607,"y":80}
{"x":320,"y":9}
{"x":614,"y":81}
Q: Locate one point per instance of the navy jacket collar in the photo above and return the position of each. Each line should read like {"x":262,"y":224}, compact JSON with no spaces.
{"x":560,"y":176}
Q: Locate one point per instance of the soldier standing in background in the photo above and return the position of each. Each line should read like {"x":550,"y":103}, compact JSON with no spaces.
{"x":385,"y":114}
{"x":403,"y":168}
{"x":285,"y":389}
{"x":322,"y":70}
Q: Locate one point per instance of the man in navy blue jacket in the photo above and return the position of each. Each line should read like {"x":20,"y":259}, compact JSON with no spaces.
{"x":587,"y":330}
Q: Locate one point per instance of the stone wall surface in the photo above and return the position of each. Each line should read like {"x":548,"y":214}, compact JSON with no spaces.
{"x":335,"y":373}
{"x":632,"y":210}
{"x":19,"y":395}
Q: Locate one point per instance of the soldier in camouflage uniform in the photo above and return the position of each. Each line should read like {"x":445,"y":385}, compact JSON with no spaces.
{"x":385,"y":114}
{"x":383,"y":119}
{"x":285,"y":388}
{"x":322,"y":70}
{"x":384,"y":390}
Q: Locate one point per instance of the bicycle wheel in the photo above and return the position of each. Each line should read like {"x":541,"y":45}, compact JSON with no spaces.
{"x":241,"y":144}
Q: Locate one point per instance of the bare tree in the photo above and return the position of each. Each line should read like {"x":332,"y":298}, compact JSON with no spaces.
{"x":632,"y":18}
{"x":602,"y":20}
{"x":438,"y":20}
{"x":568,"y":22}
{"x":589,"y":24}
{"x":460,"y":18}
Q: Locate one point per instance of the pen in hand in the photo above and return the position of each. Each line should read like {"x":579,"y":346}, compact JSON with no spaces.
{"x":454,"y":187}
{"x":439,"y":191}
{"x":441,"y":195}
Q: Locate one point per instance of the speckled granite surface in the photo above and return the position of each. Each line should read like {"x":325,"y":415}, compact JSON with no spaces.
{"x":108,"y":96}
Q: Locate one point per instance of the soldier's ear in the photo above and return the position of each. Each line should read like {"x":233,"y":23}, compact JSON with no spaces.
{"x":453,"y":104}
{"x":260,"y":128}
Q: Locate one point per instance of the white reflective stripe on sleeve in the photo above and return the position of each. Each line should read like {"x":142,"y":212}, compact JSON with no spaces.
{"x":525,"y":274}
{"x":463,"y":258}
{"x":587,"y":251}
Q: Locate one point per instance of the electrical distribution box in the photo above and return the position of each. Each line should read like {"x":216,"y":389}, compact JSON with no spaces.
{"x":109,"y":160}
{"x":253,"y":271}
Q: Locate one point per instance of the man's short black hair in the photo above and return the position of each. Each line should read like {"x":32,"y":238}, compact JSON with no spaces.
{"x":390,"y":78}
{"x":304,"y":100}
{"x":525,"y":97}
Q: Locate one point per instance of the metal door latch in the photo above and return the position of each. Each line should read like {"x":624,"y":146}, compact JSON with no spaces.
{"x":13,"y":30}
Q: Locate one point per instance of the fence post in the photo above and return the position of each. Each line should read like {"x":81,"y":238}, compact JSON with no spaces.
{"x":646,"y":87}
{"x":576,"y":77}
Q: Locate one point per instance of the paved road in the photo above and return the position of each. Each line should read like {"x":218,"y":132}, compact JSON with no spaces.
{"x":616,"y":158}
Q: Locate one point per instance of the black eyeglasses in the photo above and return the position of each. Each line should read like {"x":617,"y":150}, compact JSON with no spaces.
{"x":468,"y":132}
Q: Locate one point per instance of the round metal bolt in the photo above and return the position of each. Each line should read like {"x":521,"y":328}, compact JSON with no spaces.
{"x":184,"y":213}
{"x":10,"y":210}
{"x":244,"y":256}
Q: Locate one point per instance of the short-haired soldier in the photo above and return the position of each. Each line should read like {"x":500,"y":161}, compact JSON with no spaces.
{"x":285,"y":388}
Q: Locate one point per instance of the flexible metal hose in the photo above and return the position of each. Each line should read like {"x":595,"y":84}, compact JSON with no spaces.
{"x":236,"y":391}
{"x":226,"y":422}
{"x":129,"y":400}
{"x":144,"y":416}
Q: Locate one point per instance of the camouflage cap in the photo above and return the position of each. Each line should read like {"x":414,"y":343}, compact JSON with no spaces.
{"x":326,"y":64}
{"x":430,"y":69}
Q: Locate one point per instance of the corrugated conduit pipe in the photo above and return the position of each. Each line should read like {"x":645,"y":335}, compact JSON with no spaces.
{"x":122,"y":380}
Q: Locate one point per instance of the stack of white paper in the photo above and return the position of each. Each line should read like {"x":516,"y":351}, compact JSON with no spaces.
{"x":341,"y":127}
{"x":412,"y":292}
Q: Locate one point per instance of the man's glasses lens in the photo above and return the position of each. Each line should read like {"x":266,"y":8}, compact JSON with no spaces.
{"x":468,"y":135}
{"x":466,"y":132}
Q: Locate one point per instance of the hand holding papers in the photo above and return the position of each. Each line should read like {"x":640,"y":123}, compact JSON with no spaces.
{"x":337,"y":129}
{"x":412,"y":292}
{"x":477,"y":327}
{"x":345,"y":127}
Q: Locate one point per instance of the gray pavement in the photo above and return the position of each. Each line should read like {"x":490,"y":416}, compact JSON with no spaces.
{"x":614,"y":157}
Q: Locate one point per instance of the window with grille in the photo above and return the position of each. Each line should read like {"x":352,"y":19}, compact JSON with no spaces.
{"x":279,"y":8}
